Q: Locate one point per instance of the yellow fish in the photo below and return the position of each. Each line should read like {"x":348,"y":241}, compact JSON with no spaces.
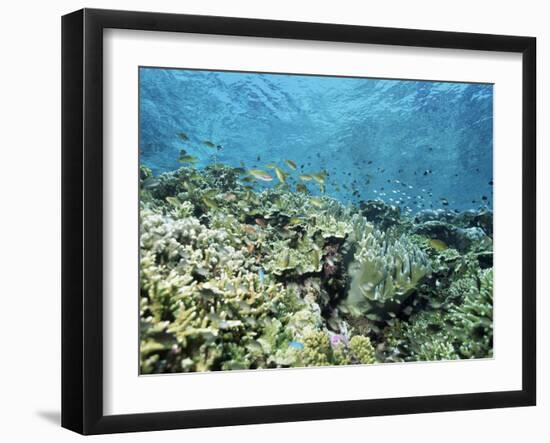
{"x":173,"y":201}
{"x":260,"y":175}
{"x":319,"y":177}
{"x":317,"y":202}
{"x":280,"y":174}
{"x":209,"y":202}
{"x":438,"y":245}
{"x":211,"y":193}
{"x":291,"y":164}
{"x":187,"y":159}
{"x":306,"y":177}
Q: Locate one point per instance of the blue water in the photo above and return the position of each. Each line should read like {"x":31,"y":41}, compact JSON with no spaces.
{"x":418,"y":144}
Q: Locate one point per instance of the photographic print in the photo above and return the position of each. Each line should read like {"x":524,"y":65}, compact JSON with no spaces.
{"x":300,"y":220}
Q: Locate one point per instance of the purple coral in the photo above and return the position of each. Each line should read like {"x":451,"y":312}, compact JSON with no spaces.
{"x":337,"y":340}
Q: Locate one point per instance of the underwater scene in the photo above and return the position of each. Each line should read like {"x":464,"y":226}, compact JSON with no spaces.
{"x":291,"y":220}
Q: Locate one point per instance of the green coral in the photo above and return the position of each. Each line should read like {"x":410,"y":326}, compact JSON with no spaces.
{"x":317,"y":351}
{"x":385,"y":272}
{"x":473,"y":318}
{"x":301,"y":256}
{"x":361,"y":349}
{"x":460,"y":328}
{"x":425,"y":337}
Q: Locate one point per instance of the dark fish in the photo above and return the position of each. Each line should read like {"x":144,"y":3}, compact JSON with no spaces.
{"x":484,"y":198}
{"x":444,"y":202}
{"x":369,"y":162}
{"x":209,"y":144}
{"x":183,"y":136}
{"x":490,"y":182}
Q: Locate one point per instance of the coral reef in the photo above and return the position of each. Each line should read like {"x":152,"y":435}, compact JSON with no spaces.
{"x":235,"y":276}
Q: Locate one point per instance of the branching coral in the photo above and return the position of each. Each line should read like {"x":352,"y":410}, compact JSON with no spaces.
{"x":425,"y":337}
{"x":462,"y":328}
{"x":473,"y":318}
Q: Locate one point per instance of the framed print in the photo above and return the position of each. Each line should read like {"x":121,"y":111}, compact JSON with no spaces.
{"x":270,"y":221}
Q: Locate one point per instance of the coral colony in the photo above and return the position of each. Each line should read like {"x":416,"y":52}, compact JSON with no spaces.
{"x":298,"y":221}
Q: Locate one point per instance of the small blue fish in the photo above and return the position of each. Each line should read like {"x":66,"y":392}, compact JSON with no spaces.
{"x":296,"y":345}
{"x":261,"y":275}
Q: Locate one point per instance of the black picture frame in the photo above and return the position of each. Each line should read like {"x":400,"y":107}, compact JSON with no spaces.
{"x":82,"y":218}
